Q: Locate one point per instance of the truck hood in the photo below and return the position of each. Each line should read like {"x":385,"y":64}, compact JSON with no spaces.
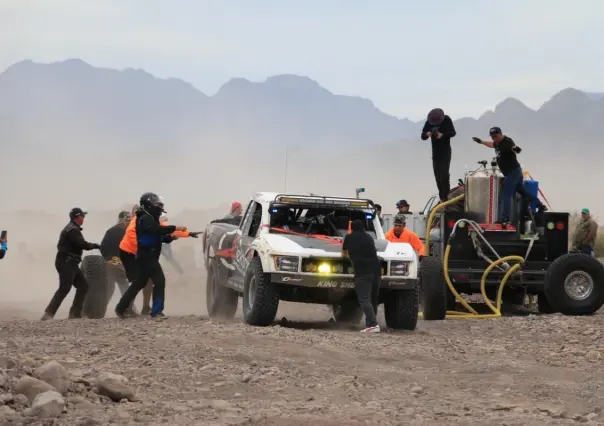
{"x":298,"y":245}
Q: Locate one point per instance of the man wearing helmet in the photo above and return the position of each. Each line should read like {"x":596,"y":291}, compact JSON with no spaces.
{"x":400,"y":234}
{"x":150,"y":235}
{"x":440,"y":129}
{"x":69,"y":255}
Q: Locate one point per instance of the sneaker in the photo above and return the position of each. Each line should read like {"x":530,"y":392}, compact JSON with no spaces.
{"x":374,"y":329}
{"x":46,"y":317}
{"x":146,"y":310}
{"x":120,"y":315}
{"x":159,"y":315}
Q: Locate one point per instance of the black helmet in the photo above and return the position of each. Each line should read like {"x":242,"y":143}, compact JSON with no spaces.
{"x":152,"y":203}
{"x":436,"y":116}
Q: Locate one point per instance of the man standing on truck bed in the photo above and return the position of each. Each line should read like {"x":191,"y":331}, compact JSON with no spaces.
{"x":360,"y":248}
{"x":400,"y":234}
{"x":508,"y":164}
{"x":69,"y":255}
{"x":440,"y":129}
{"x":585,"y":234}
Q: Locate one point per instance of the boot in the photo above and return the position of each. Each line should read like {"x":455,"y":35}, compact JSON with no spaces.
{"x":146,"y":310}
{"x":74,"y":315}
{"x":46,"y":317}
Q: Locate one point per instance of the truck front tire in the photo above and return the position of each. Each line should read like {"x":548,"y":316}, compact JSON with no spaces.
{"x":260,"y":296}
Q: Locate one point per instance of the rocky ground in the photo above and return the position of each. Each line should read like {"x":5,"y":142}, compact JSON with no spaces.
{"x":535,"y":370}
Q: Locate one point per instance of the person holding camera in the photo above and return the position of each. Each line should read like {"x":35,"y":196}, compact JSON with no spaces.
{"x":505,"y":151}
{"x":440,"y":129}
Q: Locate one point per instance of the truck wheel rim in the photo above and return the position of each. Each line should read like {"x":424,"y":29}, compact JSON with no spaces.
{"x":578,"y":285}
{"x":251,"y":292}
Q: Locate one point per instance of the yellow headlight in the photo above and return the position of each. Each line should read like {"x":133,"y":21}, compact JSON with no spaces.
{"x":324,"y":268}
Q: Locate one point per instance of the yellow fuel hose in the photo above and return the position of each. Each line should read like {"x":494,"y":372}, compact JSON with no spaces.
{"x":472,"y":314}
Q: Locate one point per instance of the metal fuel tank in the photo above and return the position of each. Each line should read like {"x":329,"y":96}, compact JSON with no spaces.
{"x":482,"y":194}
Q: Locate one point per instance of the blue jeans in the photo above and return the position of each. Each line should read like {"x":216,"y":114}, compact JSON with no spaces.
{"x":513,"y":183}
{"x":585,"y":249}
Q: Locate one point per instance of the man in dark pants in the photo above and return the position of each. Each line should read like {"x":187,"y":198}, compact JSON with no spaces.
{"x":360,"y":248}
{"x":440,"y":129}
{"x":69,"y":255}
{"x":150,"y":235}
{"x":508,"y":164}
{"x":110,"y":249}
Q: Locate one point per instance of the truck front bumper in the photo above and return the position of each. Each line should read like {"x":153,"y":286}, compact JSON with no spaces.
{"x":339,"y":282}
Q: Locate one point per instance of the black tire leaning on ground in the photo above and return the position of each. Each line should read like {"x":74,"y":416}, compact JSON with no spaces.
{"x":587,"y":269}
{"x":94,"y":269}
{"x":433,"y":289}
{"x":221,"y":302}
{"x":349,"y":312}
{"x":263,"y":309}
{"x":401,"y":309}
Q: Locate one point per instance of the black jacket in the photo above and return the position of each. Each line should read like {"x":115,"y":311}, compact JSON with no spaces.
{"x":72,"y":243}
{"x":110,"y":246}
{"x":440,"y":147}
{"x":150,"y":235}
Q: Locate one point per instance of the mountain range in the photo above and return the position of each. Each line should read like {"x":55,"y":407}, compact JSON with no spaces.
{"x":73,"y":133}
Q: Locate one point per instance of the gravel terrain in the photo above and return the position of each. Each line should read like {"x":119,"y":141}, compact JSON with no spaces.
{"x":535,"y":370}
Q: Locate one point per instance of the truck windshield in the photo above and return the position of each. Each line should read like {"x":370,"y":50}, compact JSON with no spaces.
{"x":318,"y":221}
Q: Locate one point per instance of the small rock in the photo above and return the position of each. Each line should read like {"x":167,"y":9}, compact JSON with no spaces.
{"x":5,"y":411}
{"x":32,"y":387}
{"x":593,"y":355}
{"x":7,"y":363}
{"x":20,"y":401}
{"x":374,"y":405}
{"x":3,"y":380}
{"x":47,"y":405}
{"x":115,"y":387}
{"x":55,"y":375}
{"x":417,"y":389}
{"x":591,"y":416}
{"x":6,"y":398}
{"x":246,"y":378}
{"x":88,"y":421}
{"x":221,"y":405}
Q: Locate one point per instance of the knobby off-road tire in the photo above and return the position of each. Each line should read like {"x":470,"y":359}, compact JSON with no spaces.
{"x":401,"y":309}
{"x":543,"y":305}
{"x":221,"y":301}
{"x":433,"y":289}
{"x":260,"y":296}
{"x":574,"y":284}
{"x":349,"y":312}
{"x":94,"y":269}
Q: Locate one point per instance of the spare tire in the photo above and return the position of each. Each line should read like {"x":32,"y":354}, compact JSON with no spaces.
{"x":574,"y":284}
{"x":94,"y":269}
{"x":434,"y":297}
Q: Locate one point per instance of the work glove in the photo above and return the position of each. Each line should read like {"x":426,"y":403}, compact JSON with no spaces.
{"x":96,"y":246}
{"x":517,"y":149}
{"x":477,"y":140}
{"x":195,"y":234}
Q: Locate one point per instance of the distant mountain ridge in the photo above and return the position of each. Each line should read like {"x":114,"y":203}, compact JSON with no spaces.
{"x":70,"y":118}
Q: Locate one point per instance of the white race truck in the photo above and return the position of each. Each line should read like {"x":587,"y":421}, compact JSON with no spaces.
{"x":288,"y":247}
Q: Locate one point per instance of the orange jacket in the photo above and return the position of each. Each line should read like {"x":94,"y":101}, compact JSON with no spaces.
{"x":407,"y":236}
{"x":129,"y":244}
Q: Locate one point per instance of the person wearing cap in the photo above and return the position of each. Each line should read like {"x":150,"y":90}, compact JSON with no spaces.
{"x":439,"y":129}
{"x":110,"y":250}
{"x":400,"y":234}
{"x":359,"y":247}
{"x":69,"y":255}
{"x":585,"y":233}
{"x":403,"y":207}
{"x":236,"y":211}
{"x":506,"y":150}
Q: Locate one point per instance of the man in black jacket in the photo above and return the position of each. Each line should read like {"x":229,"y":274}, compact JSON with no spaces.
{"x":360,"y":248}
{"x":110,"y":249}
{"x":508,"y":164}
{"x":150,"y":235}
{"x":69,"y":255}
{"x":440,"y":129}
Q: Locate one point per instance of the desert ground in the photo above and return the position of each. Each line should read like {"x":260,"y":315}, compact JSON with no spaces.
{"x":190,"y":370}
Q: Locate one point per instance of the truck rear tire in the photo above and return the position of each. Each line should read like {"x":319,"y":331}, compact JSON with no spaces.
{"x":221,"y":301}
{"x":401,"y":309}
{"x":574,"y":284}
{"x":260,"y":296}
{"x":433,"y":289}
{"x":94,"y":269}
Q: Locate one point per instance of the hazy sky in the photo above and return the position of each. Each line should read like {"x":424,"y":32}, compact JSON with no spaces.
{"x":406,"y":56}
